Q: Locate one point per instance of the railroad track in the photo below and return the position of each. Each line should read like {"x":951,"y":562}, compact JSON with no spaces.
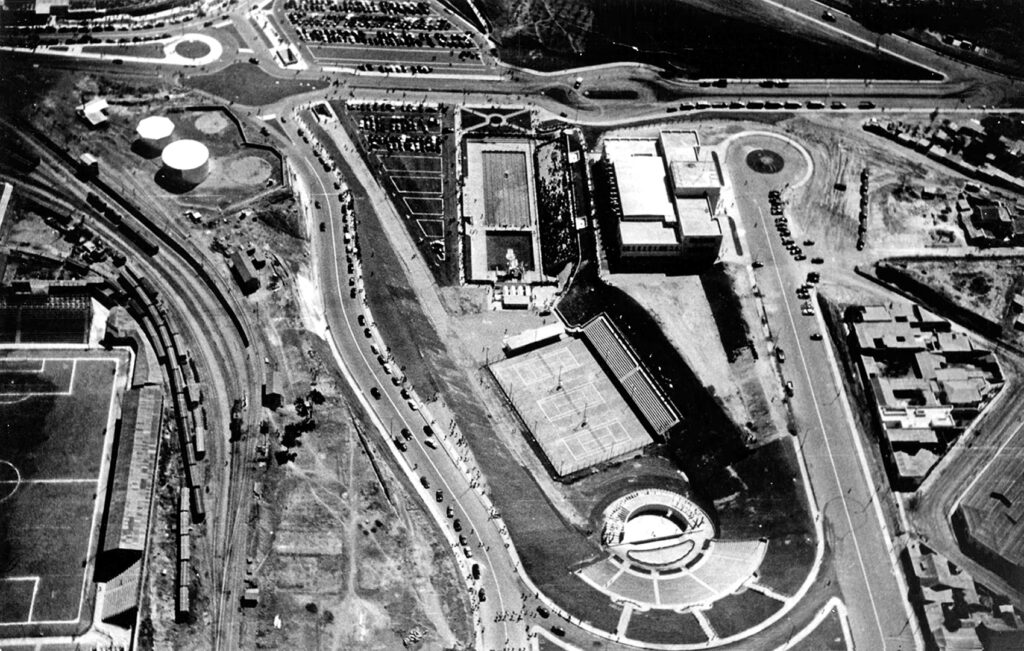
{"x":227,"y":370}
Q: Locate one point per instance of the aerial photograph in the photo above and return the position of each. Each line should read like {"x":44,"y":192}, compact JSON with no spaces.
{"x":512,"y":325}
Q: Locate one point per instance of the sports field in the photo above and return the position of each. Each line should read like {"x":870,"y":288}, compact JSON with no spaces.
{"x":506,"y":195}
{"x":55,"y":416}
{"x":571,"y":407}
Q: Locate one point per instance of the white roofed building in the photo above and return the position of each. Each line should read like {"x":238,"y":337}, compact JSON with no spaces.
{"x":667,"y":192}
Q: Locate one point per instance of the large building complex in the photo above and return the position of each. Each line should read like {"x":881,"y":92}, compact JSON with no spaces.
{"x":927,"y":381}
{"x":665,"y":197}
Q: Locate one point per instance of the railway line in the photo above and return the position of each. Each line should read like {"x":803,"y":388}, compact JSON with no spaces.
{"x":229,"y":372}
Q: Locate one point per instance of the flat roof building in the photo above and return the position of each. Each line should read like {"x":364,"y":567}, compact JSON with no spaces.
{"x":665,"y":195}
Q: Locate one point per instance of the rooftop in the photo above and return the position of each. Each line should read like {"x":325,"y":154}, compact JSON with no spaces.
{"x":680,"y":145}
{"x":642,"y":190}
{"x":695,"y":217}
{"x":647,"y":232}
{"x":688,"y":174}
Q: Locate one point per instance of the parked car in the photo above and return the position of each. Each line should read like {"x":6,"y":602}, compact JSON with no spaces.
{"x":457,"y":525}
{"x":816,"y":336}
{"x":818,"y":260}
{"x":789,"y":388}
{"x":426,"y":484}
{"x":375,"y":392}
{"x":780,"y":355}
{"x":400,"y":444}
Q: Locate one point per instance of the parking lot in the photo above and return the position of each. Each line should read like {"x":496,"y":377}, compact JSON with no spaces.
{"x":411,"y":148}
{"x":383,"y":37}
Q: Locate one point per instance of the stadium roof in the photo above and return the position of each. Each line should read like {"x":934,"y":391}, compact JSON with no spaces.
{"x":608,"y":346}
{"x":132,"y":485}
{"x":642,"y":190}
{"x":185,"y":155}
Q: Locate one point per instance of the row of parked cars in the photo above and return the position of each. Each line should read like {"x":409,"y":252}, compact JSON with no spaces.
{"x":400,"y":124}
{"x":375,"y":24}
{"x":395,"y":68}
{"x":769,"y":104}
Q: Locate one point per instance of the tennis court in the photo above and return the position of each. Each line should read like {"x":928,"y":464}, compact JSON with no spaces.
{"x":56,"y":419}
{"x":573,"y":411}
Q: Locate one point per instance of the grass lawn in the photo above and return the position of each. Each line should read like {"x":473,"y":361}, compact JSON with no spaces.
{"x":738,"y":612}
{"x":418,"y":184}
{"x":192,"y":49}
{"x":247,"y":84}
{"x":827,"y":636}
{"x":665,"y":627}
{"x":148,"y":50}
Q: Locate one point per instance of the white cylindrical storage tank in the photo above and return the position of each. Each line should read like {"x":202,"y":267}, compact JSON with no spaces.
{"x":155,"y":132}
{"x":187,"y":161}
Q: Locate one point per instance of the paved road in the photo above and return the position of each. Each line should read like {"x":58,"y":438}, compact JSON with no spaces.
{"x":845,"y":494}
{"x":441,"y":471}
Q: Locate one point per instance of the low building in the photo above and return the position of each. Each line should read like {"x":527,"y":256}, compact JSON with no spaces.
{"x":273,"y":392}
{"x":245,"y":272}
{"x":94,"y":112}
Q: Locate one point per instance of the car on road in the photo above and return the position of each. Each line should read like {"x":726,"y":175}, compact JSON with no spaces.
{"x":423,"y":480}
{"x":816,"y":336}
{"x":457,"y":525}
{"x":375,"y":392}
{"x":780,"y":355}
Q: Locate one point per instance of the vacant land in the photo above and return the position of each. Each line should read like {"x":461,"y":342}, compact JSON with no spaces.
{"x":979,"y":290}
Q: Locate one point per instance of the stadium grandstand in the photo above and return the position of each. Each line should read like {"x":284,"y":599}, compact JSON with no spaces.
{"x":662,"y":554}
{"x":633,"y":379}
{"x":131,"y":481}
{"x":35,"y":313}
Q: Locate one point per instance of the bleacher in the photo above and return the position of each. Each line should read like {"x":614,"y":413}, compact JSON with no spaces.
{"x":630,"y":375}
